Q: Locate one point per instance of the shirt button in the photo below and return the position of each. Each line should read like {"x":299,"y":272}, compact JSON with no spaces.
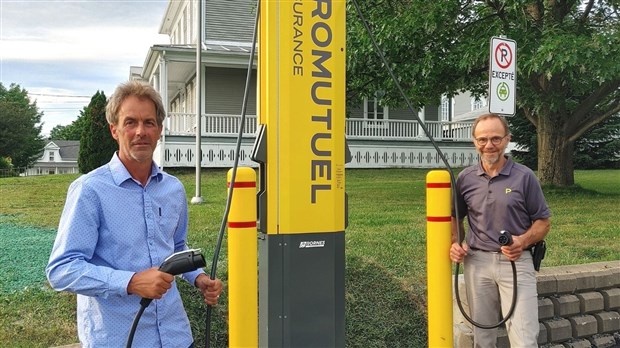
{"x":148,"y":216}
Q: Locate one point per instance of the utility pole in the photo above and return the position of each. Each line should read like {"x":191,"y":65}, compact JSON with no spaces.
{"x":197,"y":199}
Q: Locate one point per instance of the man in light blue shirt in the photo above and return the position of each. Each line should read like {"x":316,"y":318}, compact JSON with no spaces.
{"x":119,"y":223}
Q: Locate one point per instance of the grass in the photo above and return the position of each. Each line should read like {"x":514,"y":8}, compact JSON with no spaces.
{"x":385,"y":252}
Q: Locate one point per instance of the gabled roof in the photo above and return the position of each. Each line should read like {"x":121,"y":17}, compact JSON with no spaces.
{"x":69,"y":149}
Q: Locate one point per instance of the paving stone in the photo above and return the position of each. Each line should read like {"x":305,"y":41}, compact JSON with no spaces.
{"x":607,"y":322}
{"x":502,"y":338}
{"x":558,"y":330}
{"x":604,"y":279}
{"x":566,"y":305}
{"x":567,"y":282}
{"x":583,"y":326}
{"x":546,"y":283}
{"x":542,"y":334}
{"x":578,"y":343}
{"x":603,"y":341}
{"x":545,"y":308}
{"x":611,"y":298}
{"x":584,"y":281}
{"x":463,"y":336}
{"x":590,"y":302}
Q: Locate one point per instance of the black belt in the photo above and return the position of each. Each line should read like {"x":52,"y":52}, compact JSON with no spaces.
{"x":497,"y":251}
{"x":486,"y":251}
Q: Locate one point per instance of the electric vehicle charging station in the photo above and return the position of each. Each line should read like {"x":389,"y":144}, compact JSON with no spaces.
{"x":301,"y":151}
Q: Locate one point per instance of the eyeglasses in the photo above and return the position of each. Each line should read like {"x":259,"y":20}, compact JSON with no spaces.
{"x":494,"y":140}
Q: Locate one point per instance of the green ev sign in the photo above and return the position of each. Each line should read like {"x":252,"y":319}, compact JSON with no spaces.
{"x":502,"y":76}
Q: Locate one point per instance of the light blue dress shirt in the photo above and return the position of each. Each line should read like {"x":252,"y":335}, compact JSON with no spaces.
{"x":112,"y":227}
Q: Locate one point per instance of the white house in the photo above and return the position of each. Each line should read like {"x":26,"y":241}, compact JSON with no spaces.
{"x":377,"y":135}
{"x":58,"y":157}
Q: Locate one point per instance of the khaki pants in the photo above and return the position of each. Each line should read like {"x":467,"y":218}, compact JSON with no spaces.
{"x":489,"y":282}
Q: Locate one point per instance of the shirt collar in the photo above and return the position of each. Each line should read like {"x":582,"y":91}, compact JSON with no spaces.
{"x":120,"y":174}
{"x":504,"y":171}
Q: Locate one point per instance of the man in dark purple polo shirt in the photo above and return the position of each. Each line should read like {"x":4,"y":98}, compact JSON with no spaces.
{"x":496,"y":195}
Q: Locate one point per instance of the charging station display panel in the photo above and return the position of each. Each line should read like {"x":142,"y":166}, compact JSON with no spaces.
{"x":303,"y":59}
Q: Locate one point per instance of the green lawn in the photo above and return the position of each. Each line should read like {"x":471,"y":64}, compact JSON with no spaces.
{"x":385,"y":252}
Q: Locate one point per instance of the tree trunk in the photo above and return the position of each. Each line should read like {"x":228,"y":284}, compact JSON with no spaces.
{"x":555,"y":153}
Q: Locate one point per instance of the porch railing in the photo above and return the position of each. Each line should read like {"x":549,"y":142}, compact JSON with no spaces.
{"x":211,"y":124}
{"x":228,"y":125}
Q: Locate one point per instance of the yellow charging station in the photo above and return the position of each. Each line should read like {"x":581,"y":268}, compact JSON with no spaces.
{"x":301,"y":150}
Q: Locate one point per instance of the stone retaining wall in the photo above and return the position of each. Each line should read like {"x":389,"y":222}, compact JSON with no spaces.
{"x":578,"y":306}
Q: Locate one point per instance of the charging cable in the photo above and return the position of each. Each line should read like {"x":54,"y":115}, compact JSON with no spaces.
{"x":177,"y":263}
{"x":233,"y":175}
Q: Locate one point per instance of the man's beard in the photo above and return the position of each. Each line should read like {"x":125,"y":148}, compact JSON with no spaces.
{"x":490,"y":158}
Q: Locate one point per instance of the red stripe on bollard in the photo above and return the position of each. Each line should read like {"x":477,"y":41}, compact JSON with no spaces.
{"x":242,"y":184}
{"x":439,"y":219}
{"x":438,"y":185}
{"x":242,"y":224}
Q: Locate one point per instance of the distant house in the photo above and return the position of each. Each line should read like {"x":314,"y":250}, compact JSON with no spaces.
{"x":58,"y":157}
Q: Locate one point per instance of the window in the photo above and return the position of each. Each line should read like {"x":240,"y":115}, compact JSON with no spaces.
{"x":51,"y":156}
{"x":189,"y":95}
{"x":446,"y":108}
{"x":191,"y":24}
{"x":374,"y":112}
{"x":478,"y":103}
{"x":184,"y":26}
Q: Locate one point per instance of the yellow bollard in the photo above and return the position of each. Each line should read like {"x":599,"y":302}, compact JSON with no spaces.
{"x":242,"y":261}
{"x":438,"y":264}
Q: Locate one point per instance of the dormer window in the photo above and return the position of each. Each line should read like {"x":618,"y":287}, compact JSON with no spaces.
{"x":51,"y":156}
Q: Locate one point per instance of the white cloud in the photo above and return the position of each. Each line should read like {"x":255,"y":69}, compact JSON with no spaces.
{"x":60,"y":48}
{"x":119,"y":44}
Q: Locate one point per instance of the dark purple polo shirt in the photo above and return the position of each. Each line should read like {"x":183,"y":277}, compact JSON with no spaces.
{"x":511,"y":201}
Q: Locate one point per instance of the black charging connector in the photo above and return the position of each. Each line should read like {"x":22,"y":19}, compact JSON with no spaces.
{"x":175,"y":264}
{"x":505,"y":238}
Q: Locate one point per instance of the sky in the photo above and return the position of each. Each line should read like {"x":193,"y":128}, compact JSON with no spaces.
{"x":64,"y":51}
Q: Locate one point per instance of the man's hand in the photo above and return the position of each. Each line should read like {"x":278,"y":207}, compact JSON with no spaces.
{"x":513,"y":251}
{"x":150,"y":283}
{"x":458,"y":252}
{"x":210,"y":288}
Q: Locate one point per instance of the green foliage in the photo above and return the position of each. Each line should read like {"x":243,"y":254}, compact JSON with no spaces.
{"x":5,"y":163}
{"x":598,"y":148}
{"x":20,"y":127}
{"x":567,"y":67}
{"x":96,"y":143}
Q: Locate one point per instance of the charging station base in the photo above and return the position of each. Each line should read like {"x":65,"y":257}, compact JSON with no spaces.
{"x":301,"y":290}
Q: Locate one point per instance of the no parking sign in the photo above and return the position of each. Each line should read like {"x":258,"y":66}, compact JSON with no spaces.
{"x":503,"y":76}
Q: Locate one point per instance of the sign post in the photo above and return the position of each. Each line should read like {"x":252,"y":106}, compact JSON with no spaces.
{"x":503,"y":76}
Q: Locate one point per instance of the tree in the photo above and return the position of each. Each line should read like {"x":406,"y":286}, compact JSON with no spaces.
{"x":96,"y":143}
{"x":72,"y":131}
{"x":598,"y":148}
{"x":21,"y":142}
{"x":567,"y":62}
